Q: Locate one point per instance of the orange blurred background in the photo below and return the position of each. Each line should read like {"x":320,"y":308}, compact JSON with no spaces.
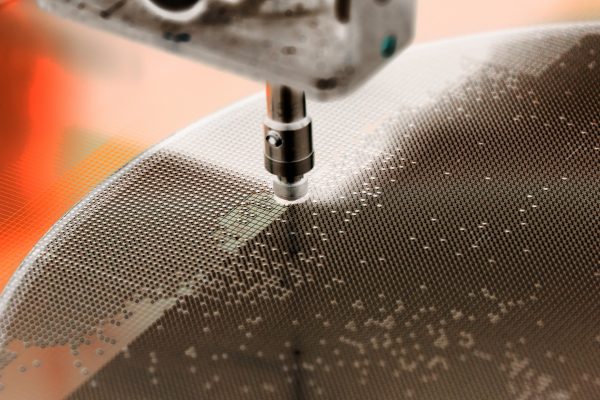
{"x":76,"y":104}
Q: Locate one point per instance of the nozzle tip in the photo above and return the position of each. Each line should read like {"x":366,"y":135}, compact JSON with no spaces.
{"x":290,"y":191}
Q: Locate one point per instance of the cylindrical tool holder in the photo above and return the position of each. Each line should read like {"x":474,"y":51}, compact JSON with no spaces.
{"x":288,"y":140}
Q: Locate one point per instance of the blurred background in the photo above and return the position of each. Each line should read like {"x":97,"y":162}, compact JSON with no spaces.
{"x":77,"y":104}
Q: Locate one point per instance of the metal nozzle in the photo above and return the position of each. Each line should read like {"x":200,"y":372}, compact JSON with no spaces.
{"x":290,"y":191}
{"x":288,"y":141}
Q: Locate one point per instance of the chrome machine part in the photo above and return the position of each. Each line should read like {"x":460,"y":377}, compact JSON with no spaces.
{"x":288,"y":141}
{"x":179,"y":11}
{"x":323,"y":47}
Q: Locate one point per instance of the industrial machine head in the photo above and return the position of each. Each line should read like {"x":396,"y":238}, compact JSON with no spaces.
{"x":323,"y":47}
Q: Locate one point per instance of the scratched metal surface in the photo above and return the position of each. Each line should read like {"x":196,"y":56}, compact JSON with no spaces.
{"x":448,"y":248}
{"x":326,"y":47}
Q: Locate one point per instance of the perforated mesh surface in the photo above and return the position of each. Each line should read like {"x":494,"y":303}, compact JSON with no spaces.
{"x":448,"y":249}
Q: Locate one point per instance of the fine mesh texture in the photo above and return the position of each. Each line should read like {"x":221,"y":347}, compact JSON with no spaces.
{"x":448,"y":249}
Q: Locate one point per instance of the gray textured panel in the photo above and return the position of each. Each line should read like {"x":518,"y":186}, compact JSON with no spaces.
{"x":448,"y":248}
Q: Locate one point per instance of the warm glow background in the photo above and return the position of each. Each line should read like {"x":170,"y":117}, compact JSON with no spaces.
{"x":76,"y":104}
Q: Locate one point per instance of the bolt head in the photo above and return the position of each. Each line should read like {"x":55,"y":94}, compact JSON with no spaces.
{"x":274,"y":139}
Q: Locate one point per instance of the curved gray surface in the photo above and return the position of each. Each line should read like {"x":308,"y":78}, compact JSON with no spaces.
{"x":448,"y":248}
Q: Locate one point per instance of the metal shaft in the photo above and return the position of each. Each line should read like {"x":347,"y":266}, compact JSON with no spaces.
{"x":288,"y":141}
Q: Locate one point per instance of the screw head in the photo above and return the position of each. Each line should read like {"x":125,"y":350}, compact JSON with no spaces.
{"x":274,"y":139}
